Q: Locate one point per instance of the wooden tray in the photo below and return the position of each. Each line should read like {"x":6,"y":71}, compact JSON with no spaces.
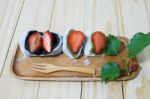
{"x":20,"y":67}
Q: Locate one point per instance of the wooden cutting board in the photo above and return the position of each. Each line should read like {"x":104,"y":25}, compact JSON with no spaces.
{"x":21,"y":66}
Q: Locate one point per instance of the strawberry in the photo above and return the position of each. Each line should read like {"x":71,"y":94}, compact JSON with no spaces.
{"x":99,"y":42}
{"x":134,"y":67}
{"x":75,"y":40}
{"x":34,"y":42}
{"x":47,"y":41}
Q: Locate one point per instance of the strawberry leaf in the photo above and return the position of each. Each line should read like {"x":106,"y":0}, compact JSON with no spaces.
{"x":137,"y":43}
{"x":113,"y":45}
{"x":110,"y":71}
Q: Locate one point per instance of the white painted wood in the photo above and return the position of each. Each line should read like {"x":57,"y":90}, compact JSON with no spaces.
{"x":147,"y":5}
{"x":59,"y":90}
{"x":58,"y":21}
{"x":92,"y":90}
{"x":135,"y":19}
{"x":99,"y":90}
{"x":36,"y":14}
{"x":68,"y":14}
{"x":112,"y":90}
{"x":49,"y":90}
{"x":9,"y":13}
{"x":3,"y":8}
{"x":101,"y":16}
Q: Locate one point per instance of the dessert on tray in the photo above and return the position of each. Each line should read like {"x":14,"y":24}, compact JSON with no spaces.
{"x":96,"y":43}
{"x":73,"y":43}
{"x":34,"y":43}
{"x":83,"y":56}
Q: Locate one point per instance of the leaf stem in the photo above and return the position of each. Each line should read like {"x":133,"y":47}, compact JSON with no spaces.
{"x":126,"y":63}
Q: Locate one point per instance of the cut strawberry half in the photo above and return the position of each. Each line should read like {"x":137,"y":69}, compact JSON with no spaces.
{"x":99,"y":42}
{"x":47,"y":41}
{"x":75,"y":40}
{"x":34,"y":42}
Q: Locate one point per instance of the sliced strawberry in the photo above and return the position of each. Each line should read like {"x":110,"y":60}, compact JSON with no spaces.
{"x":75,"y":40}
{"x":34,"y":42}
{"x":99,"y":42}
{"x":47,"y":41}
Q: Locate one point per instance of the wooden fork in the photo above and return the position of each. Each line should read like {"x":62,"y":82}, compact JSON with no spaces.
{"x":49,"y":68}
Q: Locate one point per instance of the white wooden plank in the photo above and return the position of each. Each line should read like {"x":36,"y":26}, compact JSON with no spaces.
{"x":147,"y":4}
{"x":135,"y":19}
{"x":92,"y":90}
{"x":67,"y":14}
{"x":59,"y":90}
{"x":58,"y":20}
{"x":101,"y":16}
{"x":48,"y":90}
{"x":75,"y":15}
{"x":9,"y":13}
{"x":119,"y":17}
{"x":98,"y":90}
{"x":3,"y":8}
{"x":112,"y":90}
{"x":36,"y":14}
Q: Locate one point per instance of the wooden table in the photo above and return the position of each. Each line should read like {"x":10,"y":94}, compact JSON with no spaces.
{"x":118,"y":17}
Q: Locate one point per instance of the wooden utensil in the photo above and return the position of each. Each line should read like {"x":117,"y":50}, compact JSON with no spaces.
{"x":49,"y":68}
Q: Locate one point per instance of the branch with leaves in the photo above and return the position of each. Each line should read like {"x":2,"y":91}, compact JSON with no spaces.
{"x":111,"y":70}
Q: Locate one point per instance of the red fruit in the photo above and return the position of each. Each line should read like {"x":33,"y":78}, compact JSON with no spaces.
{"x":34,"y":42}
{"x":47,"y":41}
{"x":134,"y":67}
{"x":75,"y":40}
{"x":99,"y":41}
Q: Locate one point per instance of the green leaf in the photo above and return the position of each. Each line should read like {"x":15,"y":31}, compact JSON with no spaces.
{"x":110,"y":71}
{"x":137,"y":43}
{"x":92,"y":48}
{"x":113,"y":45}
{"x":73,"y":55}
